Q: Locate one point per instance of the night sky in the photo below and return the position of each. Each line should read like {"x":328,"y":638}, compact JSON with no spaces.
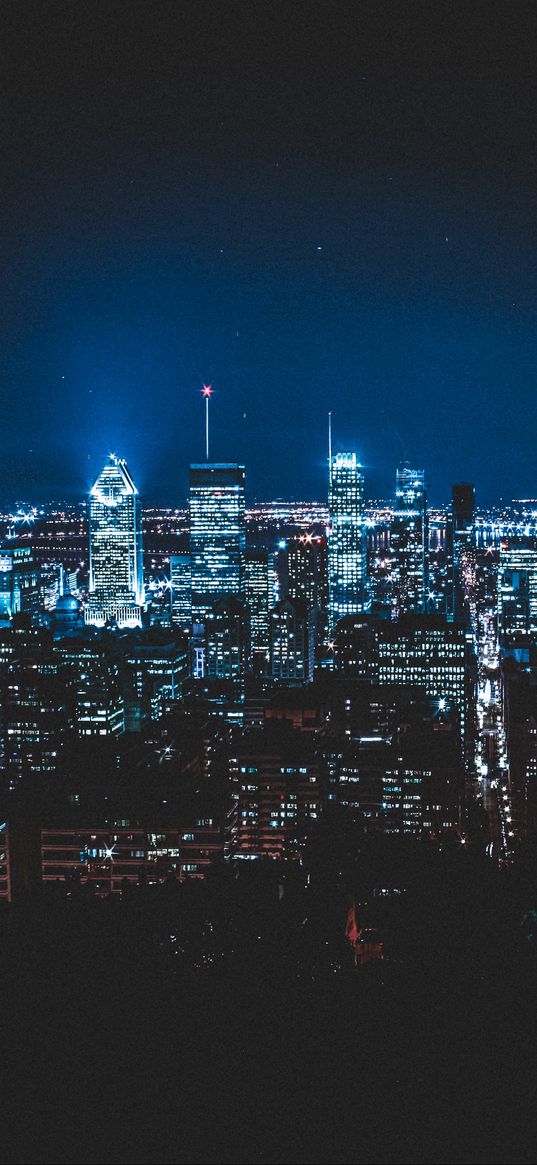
{"x":310,"y":206}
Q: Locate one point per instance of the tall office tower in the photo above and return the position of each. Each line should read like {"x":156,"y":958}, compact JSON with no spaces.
{"x":115,"y":540}
{"x":181,"y":590}
{"x":307,"y":561}
{"x":517,"y":591}
{"x":347,"y":569}
{"x":258,"y":600}
{"x":273,"y":581}
{"x":217,"y":535}
{"x":409,"y":540}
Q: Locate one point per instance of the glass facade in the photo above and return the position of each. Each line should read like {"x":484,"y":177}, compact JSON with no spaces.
{"x":257,"y":598}
{"x":217,"y":535}
{"x":517,"y":590}
{"x":347,"y":581}
{"x":181,"y":590}
{"x":409,"y":540}
{"x":19,"y":582}
{"x":115,"y":544}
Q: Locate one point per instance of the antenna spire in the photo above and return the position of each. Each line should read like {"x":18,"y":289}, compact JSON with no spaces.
{"x":207,"y":392}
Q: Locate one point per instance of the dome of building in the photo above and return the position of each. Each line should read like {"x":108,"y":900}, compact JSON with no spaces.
{"x":67,"y":604}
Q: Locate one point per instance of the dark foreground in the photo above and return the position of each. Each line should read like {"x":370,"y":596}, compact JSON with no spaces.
{"x":217,"y":1024}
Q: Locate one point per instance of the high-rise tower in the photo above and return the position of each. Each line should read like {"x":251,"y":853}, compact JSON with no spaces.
{"x":307,"y":565}
{"x":181,"y":590}
{"x":115,"y":543}
{"x":409,"y":539}
{"x":517,"y":590}
{"x":347,"y":583}
{"x":217,"y":535}
{"x":258,"y":600}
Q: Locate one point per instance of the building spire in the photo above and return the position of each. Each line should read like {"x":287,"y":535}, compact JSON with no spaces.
{"x":207,"y":393}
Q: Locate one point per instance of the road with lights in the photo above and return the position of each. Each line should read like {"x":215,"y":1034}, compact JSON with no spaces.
{"x":491,"y":759}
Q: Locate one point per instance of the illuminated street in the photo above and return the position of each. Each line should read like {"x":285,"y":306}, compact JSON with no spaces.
{"x":491,"y":756}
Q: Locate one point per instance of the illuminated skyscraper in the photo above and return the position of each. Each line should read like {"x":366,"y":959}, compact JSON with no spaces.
{"x":217,"y":535}
{"x":409,"y":541}
{"x":181,"y":590}
{"x":258,"y":600}
{"x":308,"y":576}
{"x":19,"y":581}
{"x":517,"y":590}
{"x":347,"y":582}
{"x":115,"y":537}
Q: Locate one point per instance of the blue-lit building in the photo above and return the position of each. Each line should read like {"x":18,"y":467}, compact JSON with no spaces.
{"x":258,"y":602}
{"x":181,"y":590}
{"x":347,"y":564}
{"x":19,"y":582}
{"x":115,"y":542}
{"x":409,"y":541}
{"x":517,"y":590}
{"x":217,"y":535}
{"x":307,"y":570}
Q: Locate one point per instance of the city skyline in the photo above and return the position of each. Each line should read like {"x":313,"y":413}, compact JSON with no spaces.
{"x":268,"y":581}
{"x":375,"y":489}
{"x":378,"y":481}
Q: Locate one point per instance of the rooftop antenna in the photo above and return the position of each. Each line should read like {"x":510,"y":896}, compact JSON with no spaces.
{"x":207,"y":393}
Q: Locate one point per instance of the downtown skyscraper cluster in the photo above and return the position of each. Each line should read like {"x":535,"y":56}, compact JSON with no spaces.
{"x":256,"y":628}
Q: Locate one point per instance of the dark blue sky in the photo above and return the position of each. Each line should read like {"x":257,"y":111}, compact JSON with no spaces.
{"x":313,"y":207}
